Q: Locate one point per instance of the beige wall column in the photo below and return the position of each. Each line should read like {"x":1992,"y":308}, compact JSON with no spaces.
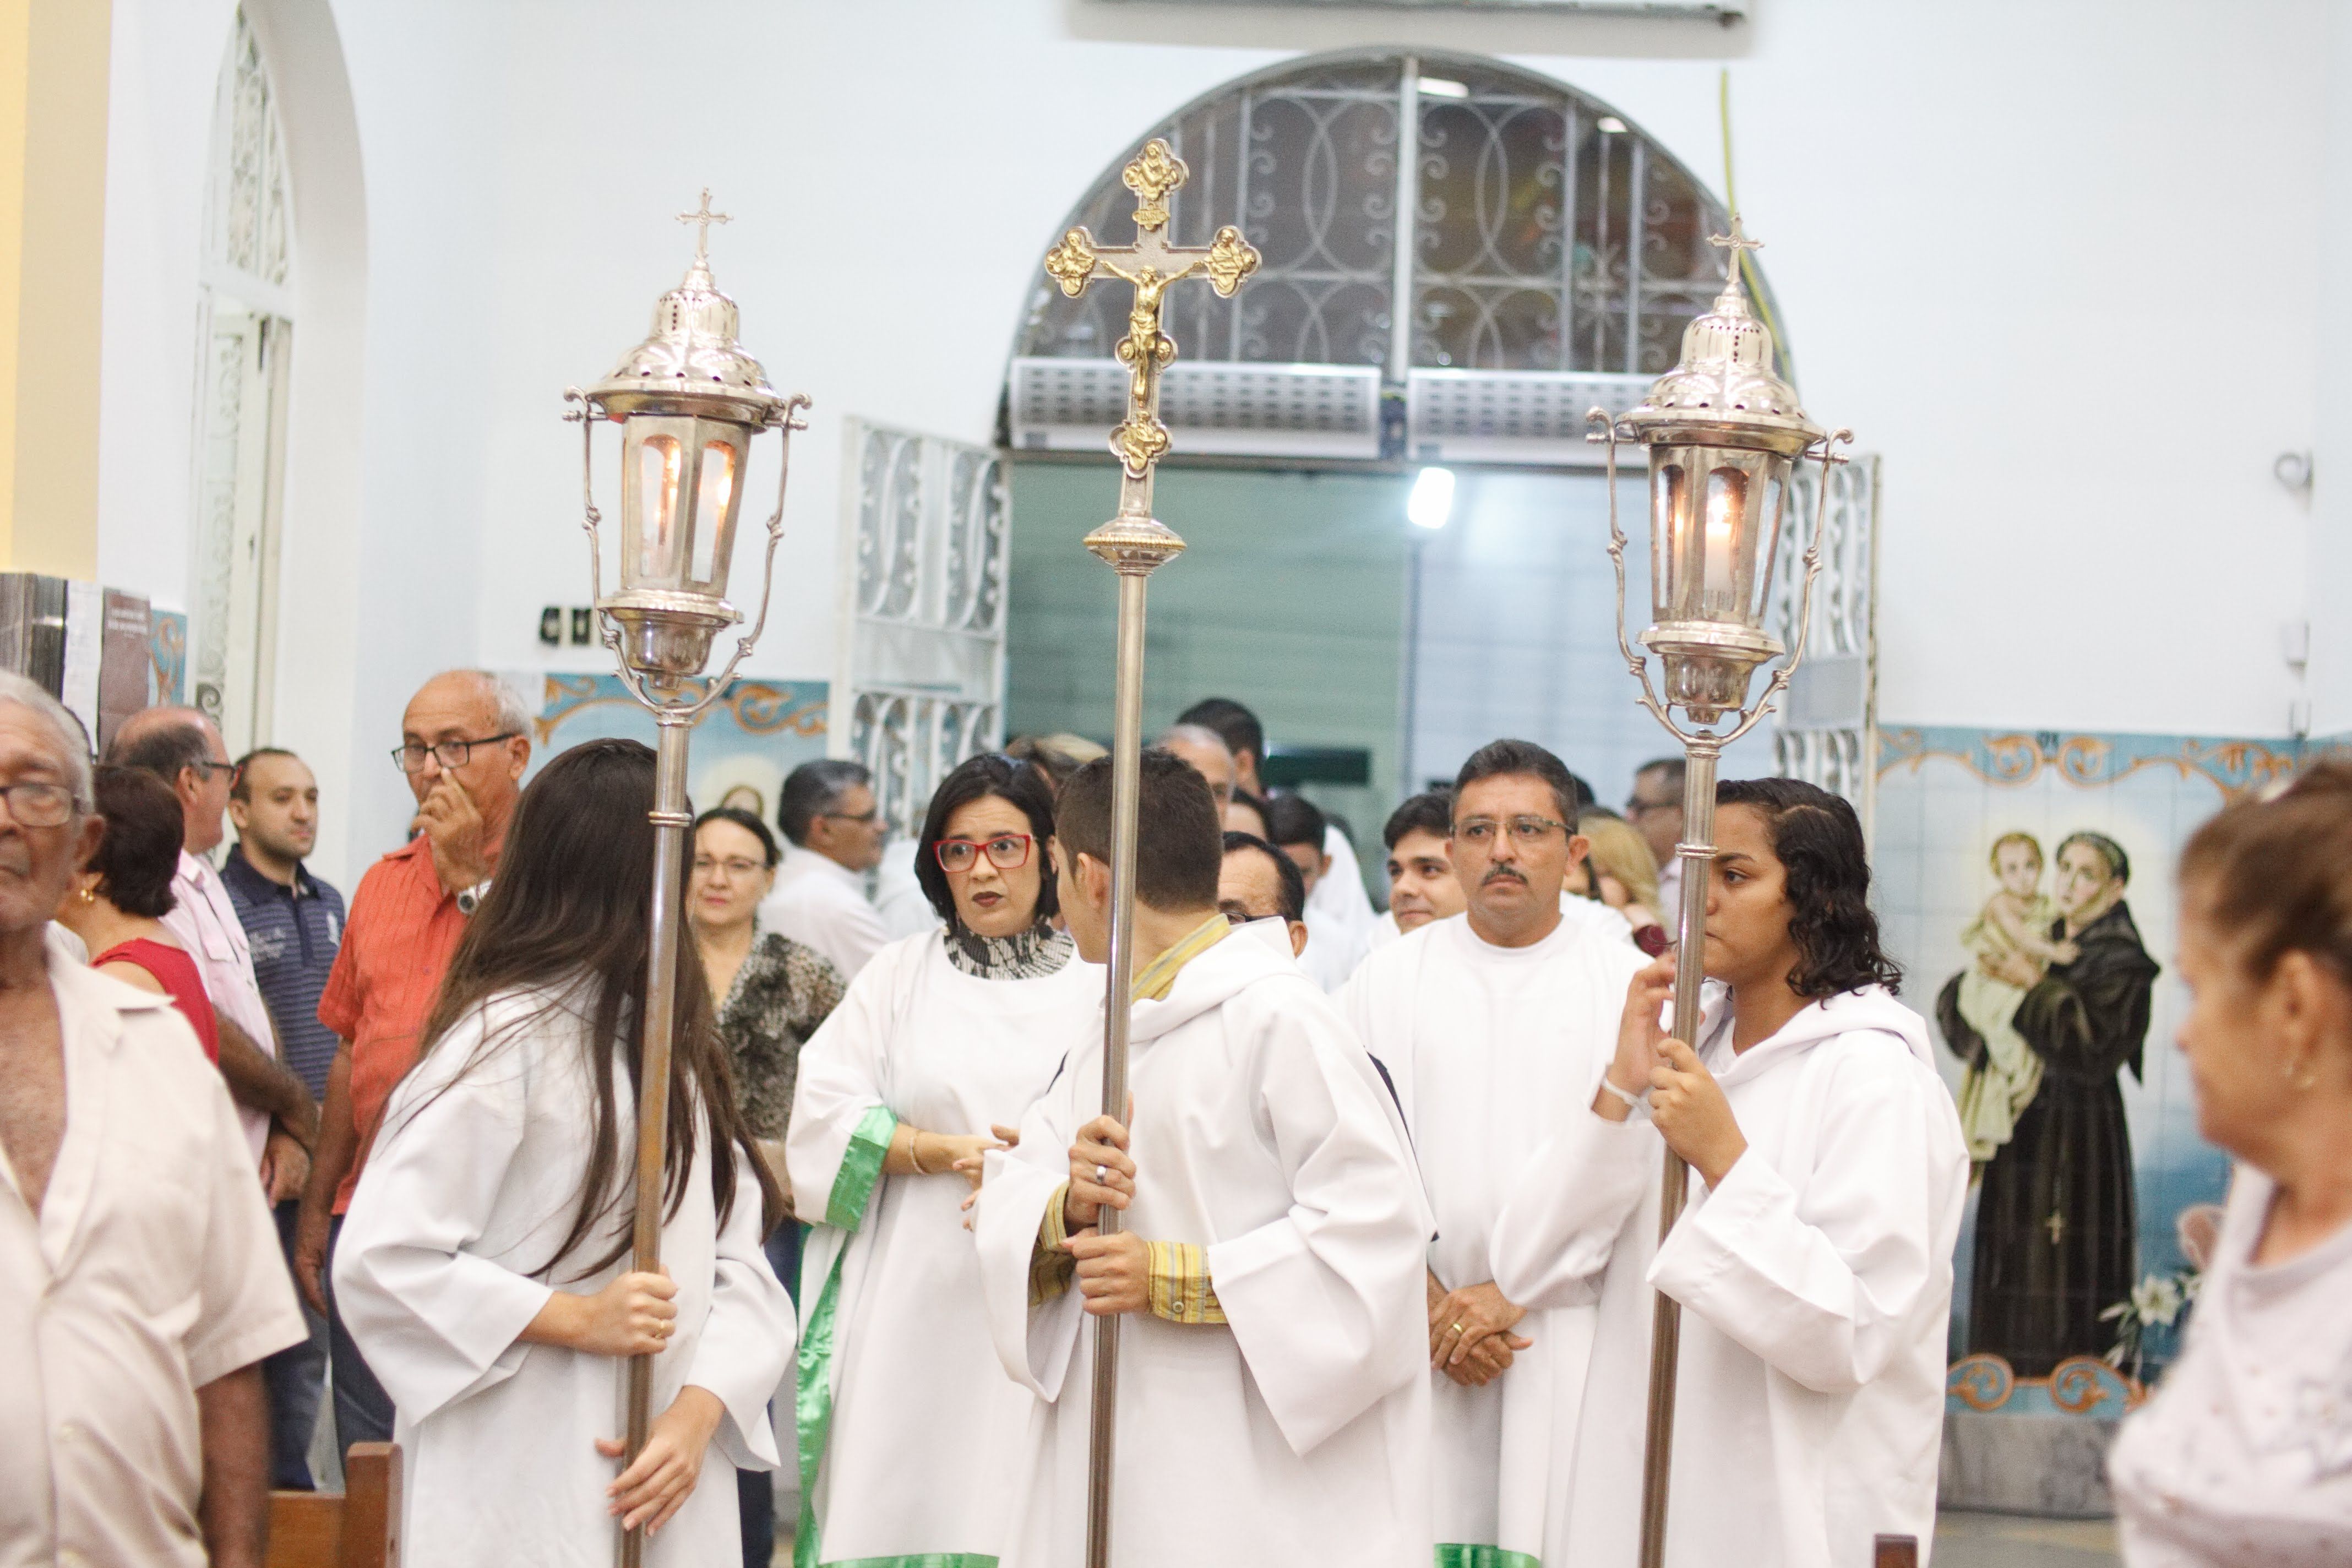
{"x":53,"y":86}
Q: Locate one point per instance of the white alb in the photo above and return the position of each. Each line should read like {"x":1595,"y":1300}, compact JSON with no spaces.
{"x":1816,"y":1286}
{"x":449,"y":1253}
{"x":1298,"y":1431}
{"x":1485,"y":1043}
{"x":920,"y":1453}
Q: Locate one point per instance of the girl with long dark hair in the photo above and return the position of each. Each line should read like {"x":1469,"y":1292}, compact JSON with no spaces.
{"x":484,"y":1265}
{"x":910,"y":1430}
{"x":1813,"y":1262}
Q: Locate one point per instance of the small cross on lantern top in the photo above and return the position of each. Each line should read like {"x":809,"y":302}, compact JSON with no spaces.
{"x":702,"y":217}
{"x":1734,"y":242}
{"x":1151,"y":265}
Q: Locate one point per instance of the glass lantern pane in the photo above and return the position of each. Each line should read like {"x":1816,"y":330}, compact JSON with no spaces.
{"x":1669,"y":524}
{"x":1775,"y":499}
{"x":655,"y":485}
{"x":714,"y":504}
{"x":1725,"y":529}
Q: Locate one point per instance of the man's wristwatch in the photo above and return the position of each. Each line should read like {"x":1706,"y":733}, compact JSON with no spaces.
{"x":470,"y":899}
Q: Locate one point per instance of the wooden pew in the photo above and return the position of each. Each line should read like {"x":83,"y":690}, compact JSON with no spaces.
{"x":1894,"y":1551}
{"x":358,"y":1529}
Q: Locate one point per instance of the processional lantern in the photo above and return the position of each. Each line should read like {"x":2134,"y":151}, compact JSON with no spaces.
{"x":1724,"y":435}
{"x":1134,"y":543}
{"x":691,"y":403}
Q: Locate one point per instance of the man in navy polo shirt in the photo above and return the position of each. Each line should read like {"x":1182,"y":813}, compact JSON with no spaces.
{"x":294,"y":923}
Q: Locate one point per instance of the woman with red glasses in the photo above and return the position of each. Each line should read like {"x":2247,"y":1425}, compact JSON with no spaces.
{"x":910,"y":1430}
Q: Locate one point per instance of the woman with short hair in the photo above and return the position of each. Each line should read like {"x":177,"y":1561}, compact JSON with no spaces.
{"x":1813,"y":1262}
{"x":121,"y":895}
{"x":909,"y":1430}
{"x":2244,"y":1454}
{"x":484,"y":1267}
{"x":769,"y":992}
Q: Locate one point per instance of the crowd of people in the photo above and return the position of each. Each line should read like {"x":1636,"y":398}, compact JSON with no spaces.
{"x":1387,"y":1180}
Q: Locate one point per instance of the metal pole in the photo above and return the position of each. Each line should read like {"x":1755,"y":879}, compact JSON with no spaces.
{"x":670,"y":820}
{"x":1126,"y":771}
{"x":1697,"y":852}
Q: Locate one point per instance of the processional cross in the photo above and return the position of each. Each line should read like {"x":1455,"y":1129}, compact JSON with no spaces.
{"x":1133,"y":544}
{"x":1152,"y":265}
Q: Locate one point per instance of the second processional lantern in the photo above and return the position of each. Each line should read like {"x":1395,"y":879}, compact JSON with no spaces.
{"x":690,"y":401}
{"x":1724,"y":434}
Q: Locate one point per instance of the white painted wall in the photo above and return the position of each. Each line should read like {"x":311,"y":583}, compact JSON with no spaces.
{"x":2330,"y":569}
{"x":167,"y":57}
{"x":2058,"y":264}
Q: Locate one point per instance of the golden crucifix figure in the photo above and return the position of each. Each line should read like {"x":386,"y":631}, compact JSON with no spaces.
{"x":1133,"y":544}
{"x":1151,"y":264}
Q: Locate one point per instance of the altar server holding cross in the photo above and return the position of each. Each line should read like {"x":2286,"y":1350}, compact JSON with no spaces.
{"x":1274,"y":1373}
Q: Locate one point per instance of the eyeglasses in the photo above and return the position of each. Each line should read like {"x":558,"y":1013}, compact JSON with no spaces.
{"x":862,"y":818}
{"x":1637,"y":806}
{"x":1005,"y":851}
{"x":737,"y":869}
{"x":209,"y":767}
{"x":1526,"y":831}
{"x":452,"y":753}
{"x":36,"y":805}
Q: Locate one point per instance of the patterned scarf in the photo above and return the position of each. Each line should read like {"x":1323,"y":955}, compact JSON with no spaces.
{"x":1024,"y":955}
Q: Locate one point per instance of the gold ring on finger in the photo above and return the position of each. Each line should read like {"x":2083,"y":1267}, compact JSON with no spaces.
{"x":1457,"y":1327}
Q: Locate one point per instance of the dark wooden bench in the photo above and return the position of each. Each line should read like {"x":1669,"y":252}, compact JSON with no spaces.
{"x":1894,"y":1551}
{"x":359,"y":1528}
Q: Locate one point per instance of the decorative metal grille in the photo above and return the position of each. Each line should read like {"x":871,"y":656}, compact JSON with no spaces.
{"x":242,"y":329}
{"x":919,"y":671}
{"x":1827,"y":732}
{"x":229,"y":348}
{"x":247,"y":226}
{"x":1547,"y":233}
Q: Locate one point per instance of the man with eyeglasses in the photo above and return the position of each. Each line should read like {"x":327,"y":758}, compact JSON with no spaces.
{"x":834,"y":834}
{"x":1488,"y":1025}
{"x":463,"y":748}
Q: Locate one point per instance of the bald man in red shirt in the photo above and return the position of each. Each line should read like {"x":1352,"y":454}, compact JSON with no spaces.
{"x":465,"y":741}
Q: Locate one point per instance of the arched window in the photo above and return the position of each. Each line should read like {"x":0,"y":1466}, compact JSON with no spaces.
{"x":244,"y":341}
{"x":1553,"y":256}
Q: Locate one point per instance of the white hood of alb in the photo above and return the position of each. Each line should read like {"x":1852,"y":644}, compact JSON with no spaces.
{"x":1214,"y":977}
{"x":1873,"y":1007}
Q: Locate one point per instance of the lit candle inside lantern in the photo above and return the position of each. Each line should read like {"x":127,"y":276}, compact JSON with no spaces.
{"x":657,"y":474}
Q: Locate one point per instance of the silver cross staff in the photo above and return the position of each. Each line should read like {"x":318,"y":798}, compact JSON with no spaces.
{"x":1134,"y":545}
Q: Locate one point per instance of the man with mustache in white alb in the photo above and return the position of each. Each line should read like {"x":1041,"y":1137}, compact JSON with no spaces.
{"x":1485,"y":1020}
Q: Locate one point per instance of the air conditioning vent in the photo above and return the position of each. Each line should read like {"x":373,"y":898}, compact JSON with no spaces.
{"x":1219,"y":408}
{"x":1510,"y":417}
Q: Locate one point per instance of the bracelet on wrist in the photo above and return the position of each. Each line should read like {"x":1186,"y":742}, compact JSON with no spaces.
{"x":915,"y":1153}
{"x":1632,"y":1102}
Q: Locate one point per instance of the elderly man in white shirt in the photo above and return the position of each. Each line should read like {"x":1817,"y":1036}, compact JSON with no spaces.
{"x":182,"y":747}
{"x":833,"y":833}
{"x":140,"y":1285}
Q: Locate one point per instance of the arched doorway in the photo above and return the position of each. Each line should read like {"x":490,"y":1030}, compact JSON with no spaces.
{"x":1551,"y":257}
{"x":1461,"y":259}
